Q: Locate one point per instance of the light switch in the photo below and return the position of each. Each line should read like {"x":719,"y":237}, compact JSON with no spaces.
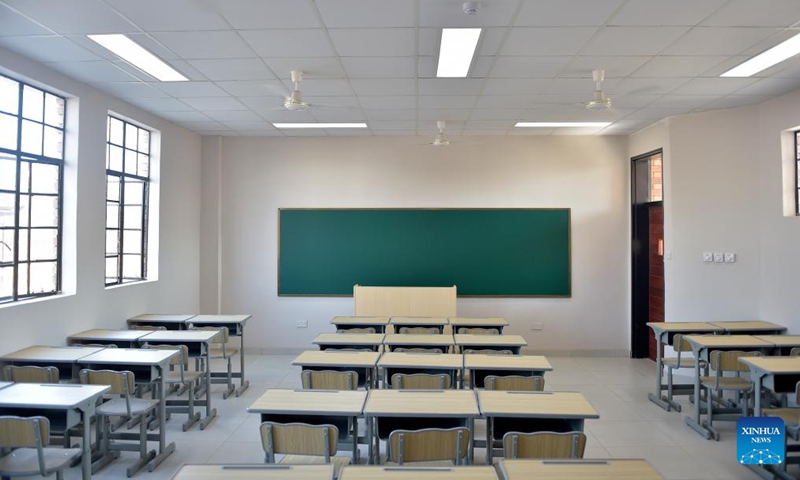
{"x":730,"y":257}
{"x":719,"y":258}
{"x":708,"y":257}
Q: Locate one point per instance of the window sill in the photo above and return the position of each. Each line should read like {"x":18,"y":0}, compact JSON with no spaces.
{"x":31,"y":301}
{"x":130,"y":284}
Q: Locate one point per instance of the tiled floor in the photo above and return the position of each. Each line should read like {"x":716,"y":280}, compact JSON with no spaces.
{"x":629,"y":425}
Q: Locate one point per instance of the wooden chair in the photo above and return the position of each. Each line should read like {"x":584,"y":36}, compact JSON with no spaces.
{"x":356,"y":330}
{"x":544,"y":445}
{"x":420,"y":381}
{"x":478,"y":331}
{"x":329,"y":380}
{"x":24,"y":443}
{"x":149,"y":328}
{"x":790,"y":416}
{"x":181,"y":380}
{"x":514,"y":383}
{"x":302,"y":444}
{"x":795,"y":352}
{"x":221,"y":349}
{"x":429,"y":447}
{"x":417,"y":350}
{"x":720,"y":363}
{"x":121,"y":404}
{"x":30,"y":374}
{"x":674,"y":363}
{"x":419,"y":330}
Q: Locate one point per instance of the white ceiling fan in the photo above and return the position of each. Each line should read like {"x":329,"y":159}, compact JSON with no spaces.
{"x":293,"y":101}
{"x":440,"y":141}
{"x":599,"y":102}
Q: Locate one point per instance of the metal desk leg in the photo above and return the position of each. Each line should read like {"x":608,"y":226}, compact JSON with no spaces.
{"x":757,"y":392}
{"x":489,"y":440}
{"x":656,"y":397}
{"x":86,"y":456}
{"x":210,"y":412}
{"x":243,"y":384}
{"x":471,"y":452}
{"x":164,"y":450}
{"x":694,"y":422}
{"x":355,"y":439}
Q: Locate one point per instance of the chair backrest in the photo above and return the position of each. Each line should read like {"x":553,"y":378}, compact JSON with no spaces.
{"x":150,"y":328}
{"x":31,"y":374}
{"x":28,"y":432}
{"x":329,"y":380}
{"x":680,"y":344}
{"x":795,"y":352}
{"x":486,"y":351}
{"x":428,"y":445}
{"x":121,"y":383}
{"x":298,"y":439}
{"x":544,"y":445}
{"x":420,"y":381}
{"x":419,"y":330}
{"x":417,"y":350}
{"x":479,"y":331}
{"x":222,"y":337}
{"x":514,"y":383}
{"x":729,"y":361}
{"x":356,"y":330}
{"x":182,"y":359}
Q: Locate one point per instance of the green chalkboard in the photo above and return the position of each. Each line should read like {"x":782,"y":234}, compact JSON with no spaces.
{"x":484,"y":252}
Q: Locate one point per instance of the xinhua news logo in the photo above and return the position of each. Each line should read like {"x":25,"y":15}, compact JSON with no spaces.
{"x":760,"y":440}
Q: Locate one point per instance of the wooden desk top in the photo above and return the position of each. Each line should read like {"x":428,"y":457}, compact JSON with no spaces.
{"x":109,"y":335}
{"x":355,"y":320}
{"x":578,"y":470}
{"x":325,"y":358}
{"x":161,"y":317}
{"x":215,"y":319}
{"x":773,"y":364}
{"x":254,"y":472}
{"x":424,"y":360}
{"x":421,"y":403}
{"x":781,"y":340}
{"x":478,"y":322}
{"x":56,"y":396}
{"x":129,"y":356}
{"x":6,"y":384}
{"x":412,"y":321}
{"x":728,"y":341}
{"x":748,"y":325}
{"x":359,"y":472}
{"x":203,"y":336}
{"x":51,"y":354}
{"x":348,"y":339}
{"x":684,"y":327}
{"x":466,"y":340}
{"x":310,"y":402}
{"x":506,"y":362}
{"x":419,"y":340}
{"x":497,"y":403}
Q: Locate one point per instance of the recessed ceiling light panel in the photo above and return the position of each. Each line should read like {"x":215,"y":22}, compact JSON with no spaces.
{"x":562,"y":124}
{"x":138,"y":56}
{"x":456,"y":51}
{"x":319,"y":125}
{"x":763,"y":61}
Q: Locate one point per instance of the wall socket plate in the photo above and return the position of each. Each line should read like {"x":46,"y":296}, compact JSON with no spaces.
{"x":537,"y":326}
{"x":719,"y":258}
{"x":708,"y":257}
{"x":730,"y":258}
{"x":301,"y":323}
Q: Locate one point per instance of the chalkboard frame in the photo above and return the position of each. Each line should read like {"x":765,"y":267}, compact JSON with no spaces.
{"x":568,"y":211}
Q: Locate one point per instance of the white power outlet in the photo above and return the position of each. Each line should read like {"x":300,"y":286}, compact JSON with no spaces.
{"x":537,"y":326}
{"x":719,"y":258}
{"x":708,"y":257}
{"x":301,"y":324}
{"x":730,"y":257}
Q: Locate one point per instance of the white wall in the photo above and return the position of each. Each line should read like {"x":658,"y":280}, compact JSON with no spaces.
{"x":49,"y":321}
{"x":259,"y":175}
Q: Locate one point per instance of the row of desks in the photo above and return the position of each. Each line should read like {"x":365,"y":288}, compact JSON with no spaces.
{"x":380,"y":323}
{"x":391,"y":341}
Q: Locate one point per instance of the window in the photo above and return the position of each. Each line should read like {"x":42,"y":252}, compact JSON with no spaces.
{"x":127,"y":189}
{"x":31,"y":172}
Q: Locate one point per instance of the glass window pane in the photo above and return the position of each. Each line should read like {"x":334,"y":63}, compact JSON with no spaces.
{"x":131,"y":136}
{"x":45,"y":178}
{"x":31,"y":137}
{"x":132,"y":217}
{"x":32,"y":103}
{"x":53,"y":110}
{"x":9,"y":95}
{"x":114,"y":131}
{"x":144,"y":141}
{"x":43,"y":277}
{"x":8,"y":172}
{"x":53,"y":143}
{"x":134,"y":192}
{"x":24,"y":176}
{"x":44,"y":244}
{"x":114,"y":158}
{"x":24,"y":235}
{"x":112,"y":188}
{"x":6,"y":283}
{"x":131,"y":267}
{"x":22,"y":279}
{"x":144,"y":165}
{"x":130,"y":162}
{"x":24,"y":202}
{"x":6,"y":246}
{"x":8,"y":131}
{"x":112,"y":242}
{"x":132,"y":241}
{"x":44,"y":211}
{"x":112,"y":215}
{"x":111,"y":269}
{"x":7,"y":202}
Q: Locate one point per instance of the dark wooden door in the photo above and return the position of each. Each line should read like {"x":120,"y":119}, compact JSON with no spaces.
{"x":655,"y":262}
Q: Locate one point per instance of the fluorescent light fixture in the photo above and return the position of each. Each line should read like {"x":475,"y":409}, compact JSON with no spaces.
{"x":320,"y":125}
{"x":562,"y":124}
{"x":136,"y":55}
{"x":456,"y":51}
{"x":763,"y":61}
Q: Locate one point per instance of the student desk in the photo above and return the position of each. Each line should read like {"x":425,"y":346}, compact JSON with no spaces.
{"x":345,"y":323}
{"x":349,"y":340}
{"x":481,"y":366}
{"x":474,"y":322}
{"x":783,"y":343}
{"x":316,"y":407}
{"x":751,"y":327}
{"x":491,"y":342}
{"x":779,"y":374}
{"x":352,"y":472}
{"x":235,"y":325}
{"x":168,"y":321}
{"x":389,"y":410}
{"x":120,"y":338}
{"x":5,"y":384}
{"x":65,"y":406}
{"x":577,"y":470}
{"x":254,"y":472}
{"x":198,"y":342}
{"x":702,"y":346}
{"x":664,"y":332}
{"x":148,"y":366}
{"x":363,"y":363}
{"x":63,"y":358}
{"x":550,"y":411}
{"x":408,"y":340}
{"x":429,"y":322}
{"x":433,"y":363}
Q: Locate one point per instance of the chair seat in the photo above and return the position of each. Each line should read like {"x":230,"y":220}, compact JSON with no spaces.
{"x":117,"y":408}
{"x":790,"y":416}
{"x":25,"y":461}
{"x":727,"y":383}
{"x":338,"y":462}
{"x":429,"y":463}
{"x":175,"y":377}
{"x":685,"y":362}
{"x":216,"y":352}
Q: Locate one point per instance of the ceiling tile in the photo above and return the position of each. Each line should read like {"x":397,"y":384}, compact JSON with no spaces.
{"x":633,"y":101}
{"x":632,"y":40}
{"x":451,"y":114}
{"x":129,"y":90}
{"x":380,"y":67}
{"x":190,"y":89}
{"x":583,"y":66}
{"x":323,"y":87}
{"x":515,"y":67}
{"x":367,"y":13}
{"x":202,"y":125}
{"x":389,"y":102}
{"x":647,"y":86}
{"x":578,"y":86}
{"x":338,"y":115}
{"x":732,"y":101}
{"x":532,"y":132}
{"x":74,"y":16}
{"x":490,"y":41}
{"x":192,"y":45}
{"x":481,"y":67}
{"x":428,"y":102}
{"x":255,"y":14}
{"x":515,"y":86}
{"x":282,"y":115}
{"x":657,"y":113}
{"x":571,"y":99}
{"x":403,"y":133}
{"x":393,"y":125}
{"x":332,"y":102}
{"x":712,"y":86}
{"x":289,"y":43}
{"x":233,"y":69}
{"x":233,"y":116}
{"x":312,"y":67}
{"x":546,"y":40}
{"x":260,"y":133}
{"x":391,"y":114}
{"x":255,"y":88}
{"x":214,"y":103}
{"x":536,"y":13}
{"x":428,"y":40}
{"x":766,"y":13}
{"x":770,"y":86}
{"x":399,"y":86}
{"x":495,"y":102}
{"x":683,"y":101}
{"x":678,"y":66}
{"x":305,"y":133}
{"x":718,"y":41}
{"x":160,"y":104}
{"x":250,"y":125}
{"x":496,"y":115}
{"x":450,"y":13}
{"x":170,"y":16}
{"x":258,"y":104}
{"x":94,"y":71}
{"x":494,"y":124}
{"x":184,"y":116}
{"x":373,"y":42}
{"x":449,"y":86}
{"x":182,"y":66}
{"x":13,"y":24}
{"x":49,"y":48}
{"x":661,"y":13}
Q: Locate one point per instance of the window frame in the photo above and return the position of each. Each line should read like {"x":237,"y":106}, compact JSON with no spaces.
{"x":796,"y":173}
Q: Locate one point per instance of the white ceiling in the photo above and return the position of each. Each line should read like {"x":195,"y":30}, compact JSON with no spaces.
{"x":375,"y":60}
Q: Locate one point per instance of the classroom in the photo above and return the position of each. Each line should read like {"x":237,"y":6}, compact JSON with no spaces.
{"x":381,"y":218}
